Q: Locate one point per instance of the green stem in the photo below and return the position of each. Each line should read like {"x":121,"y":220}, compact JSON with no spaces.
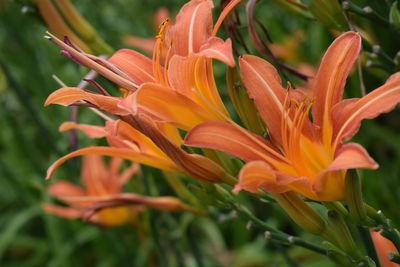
{"x":369,"y":15}
{"x":179,"y":188}
{"x":276,"y":235}
{"x":194,"y":246}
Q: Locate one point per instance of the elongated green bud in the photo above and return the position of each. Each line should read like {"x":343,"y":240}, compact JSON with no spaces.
{"x":354,"y":196}
{"x":301,"y":213}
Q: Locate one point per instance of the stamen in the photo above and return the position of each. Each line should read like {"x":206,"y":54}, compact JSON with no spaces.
{"x":90,"y":63}
{"x":163,"y":27}
{"x":166,"y":60}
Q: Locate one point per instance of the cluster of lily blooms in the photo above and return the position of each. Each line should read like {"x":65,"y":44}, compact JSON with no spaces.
{"x":303,"y":147}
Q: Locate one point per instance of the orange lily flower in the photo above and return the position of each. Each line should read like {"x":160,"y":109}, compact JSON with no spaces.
{"x":98,"y":180}
{"x":383,"y":247}
{"x":185,"y":78}
{"x":304,"y":156}
{"x":101,"y":200}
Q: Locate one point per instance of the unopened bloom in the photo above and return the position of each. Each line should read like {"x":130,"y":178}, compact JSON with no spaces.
{"x":301,"y":155}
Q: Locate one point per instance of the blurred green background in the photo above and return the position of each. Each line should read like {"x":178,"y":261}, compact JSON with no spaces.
{"x":30,"y":142}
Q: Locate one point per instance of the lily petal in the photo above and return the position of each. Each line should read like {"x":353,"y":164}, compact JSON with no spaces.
{"x":90,"y":130}
{"x":195,"y":165}
{"x":192,"y":28}
{"x":61,"y":189}
{"x":254,"y":176}
{"x":136,"y":65}
{"x":195,"y":72}
{"x":264,"y":85}
{"x":115,"y":152}
{"x":232,"y":140}
{"x":181,"y":75}
{"x":218,"y":49}
{"x":69,"y":95}
{"x":329,"y":183}
{"x":331,"y":76}
{"x":347,"y":117}
{"x":64,"y":212}
{"x":258,"y":175}
{"x":94,"y":175}
{"x":166,"y":105}
{"x":383,"y":247}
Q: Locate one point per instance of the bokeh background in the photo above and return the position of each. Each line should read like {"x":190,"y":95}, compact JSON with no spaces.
{"x":30,"y":142}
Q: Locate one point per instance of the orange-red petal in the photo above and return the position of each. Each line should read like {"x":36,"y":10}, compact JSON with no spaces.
{"x":192,"y":28}
{"x":115,"y":152}
{"x":263,"y":84}
{"x":69,"y":95}
{"x":136,"y":65}
{"x":166,"y":105}
{"x":218,"y":49}
{"x":347,"y":117}
{"x":64,"y":212}
{"x":383,"y":247}
{"x":231,"y":139}
{"x":90,"y":130}
{"x":332,"y":73}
